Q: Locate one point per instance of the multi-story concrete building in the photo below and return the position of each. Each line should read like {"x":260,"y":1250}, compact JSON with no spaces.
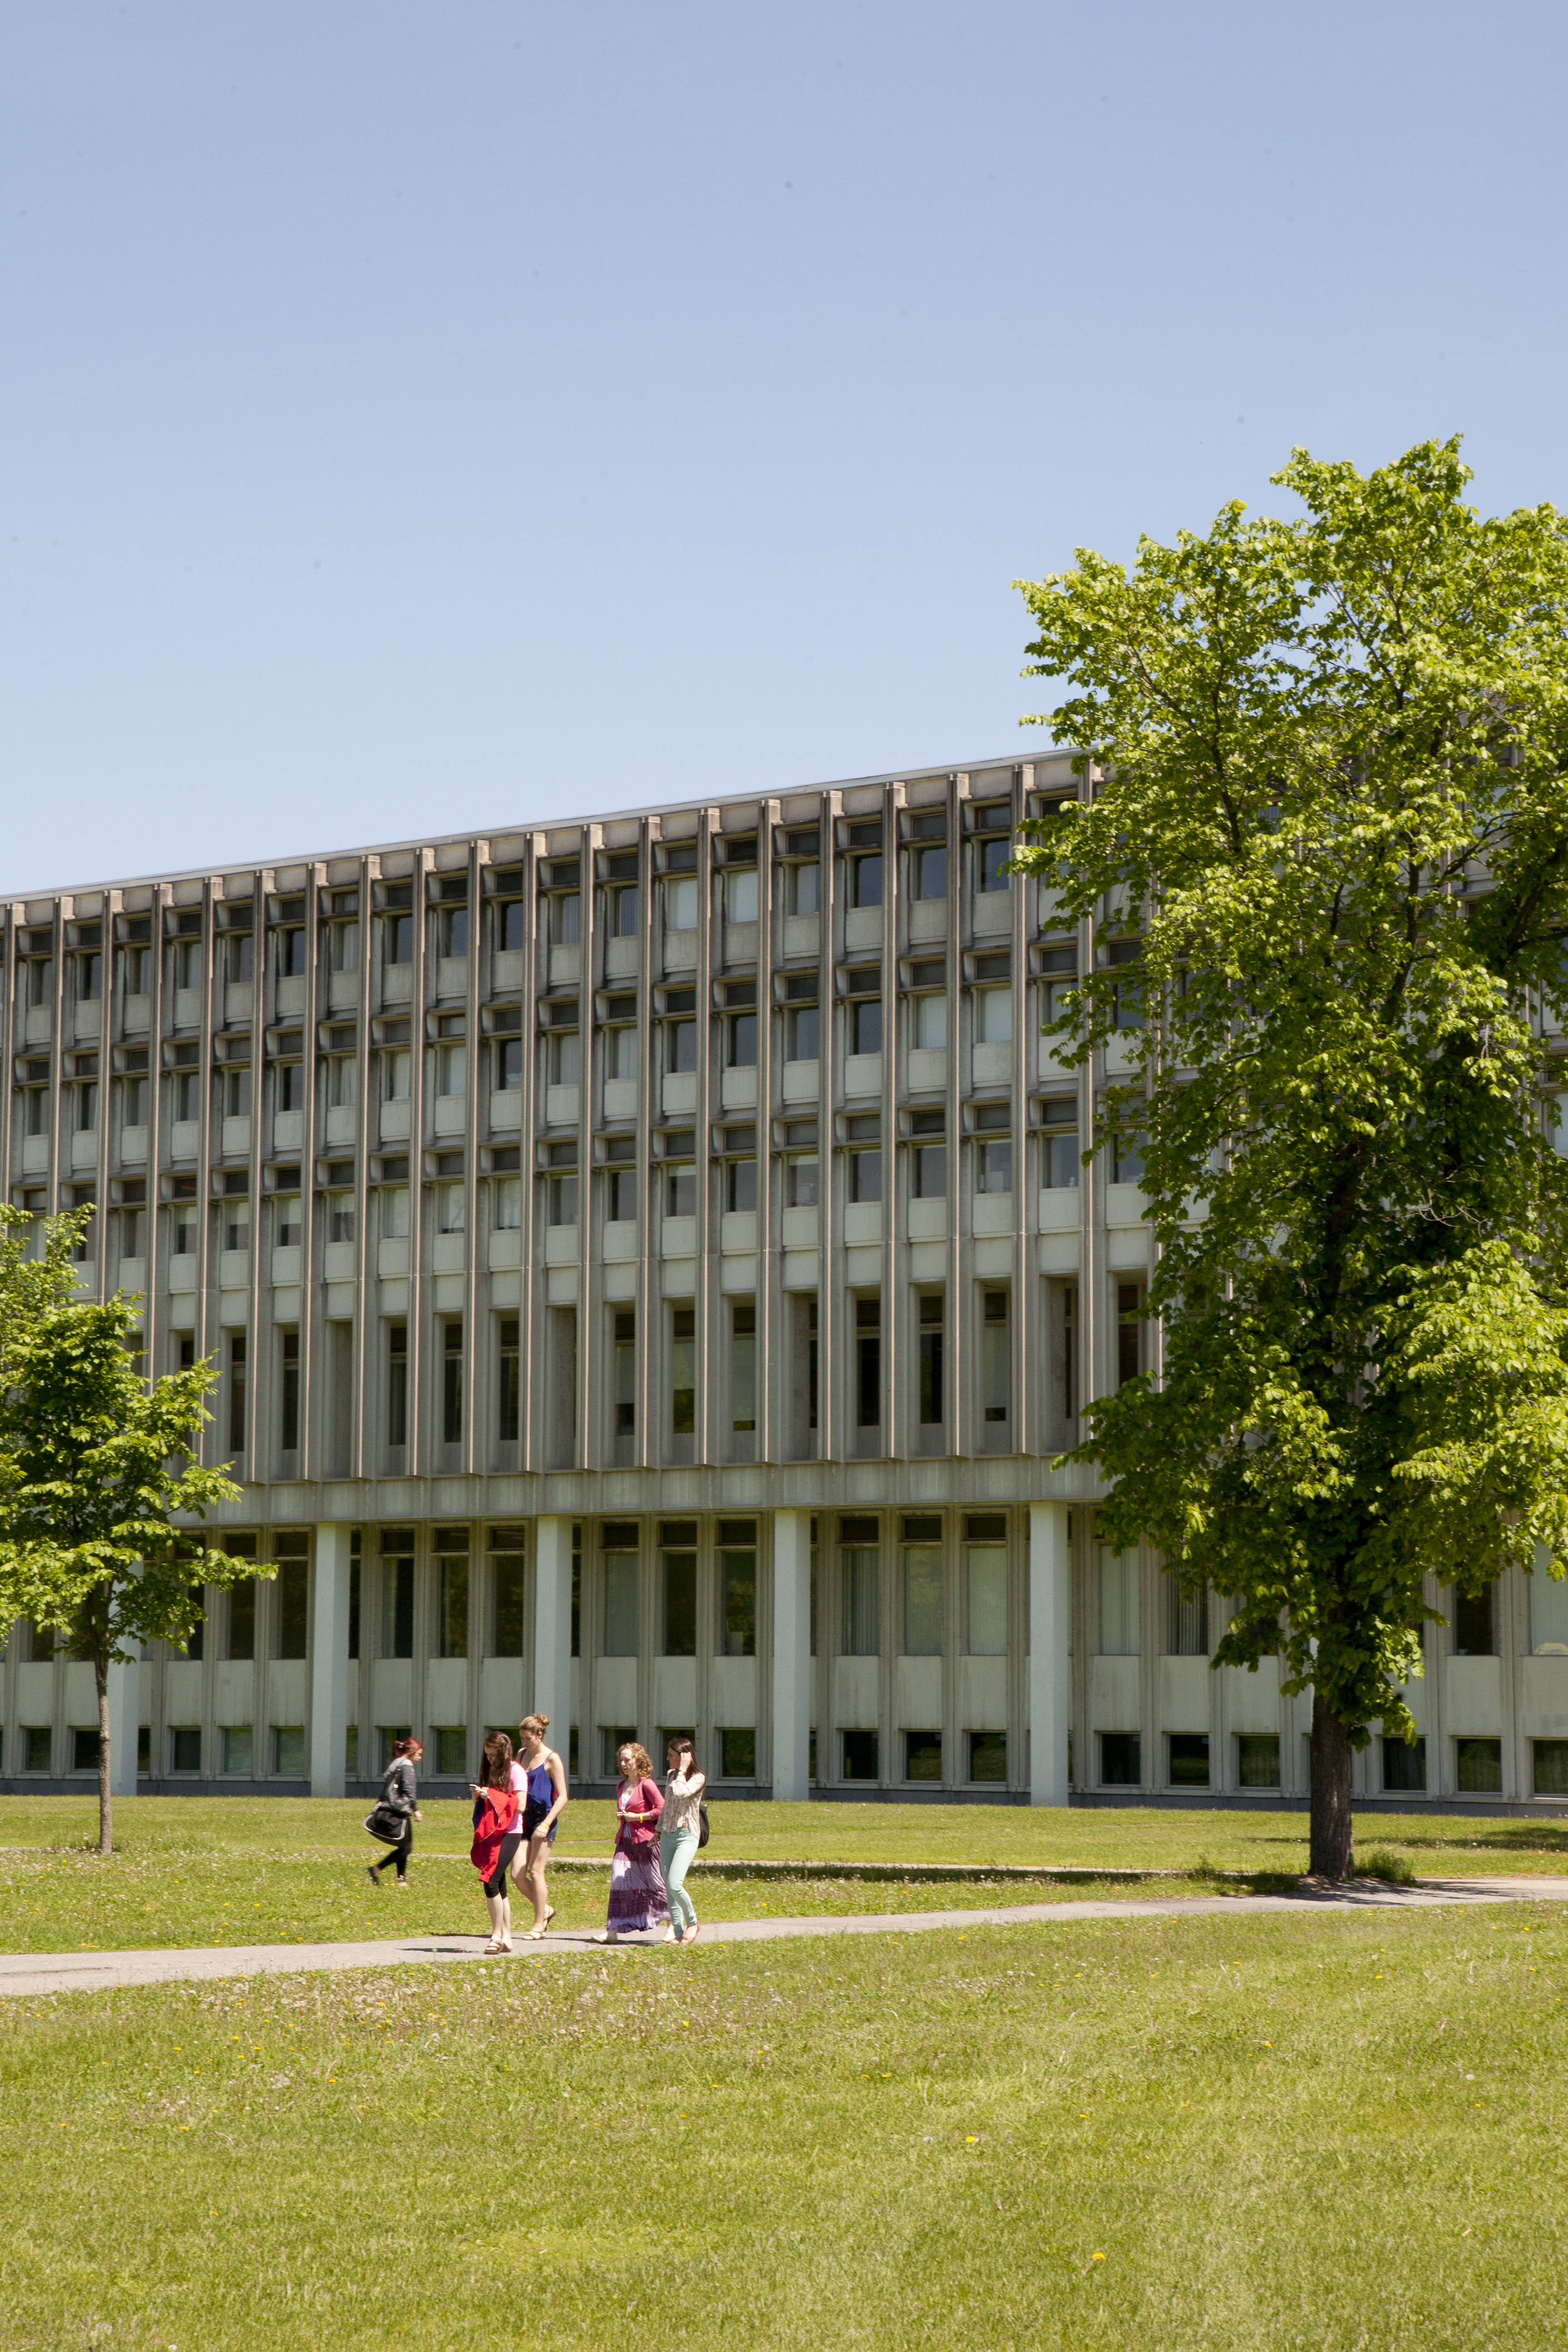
{"x":650,"y":1270}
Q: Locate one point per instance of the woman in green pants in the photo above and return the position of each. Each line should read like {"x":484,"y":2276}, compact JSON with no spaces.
{"x":680,"y":1827}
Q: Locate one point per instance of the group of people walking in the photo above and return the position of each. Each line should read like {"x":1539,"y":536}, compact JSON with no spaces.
{"x":519,"y":1800}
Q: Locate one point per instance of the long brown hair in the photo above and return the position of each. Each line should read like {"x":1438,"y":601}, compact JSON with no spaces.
{"x":682,"y":1748}
{"x":497,"y":1761}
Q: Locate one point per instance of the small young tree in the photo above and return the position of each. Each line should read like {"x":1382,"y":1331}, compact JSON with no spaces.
{"x":1322,"y":846}
{"x":95,"y":1468}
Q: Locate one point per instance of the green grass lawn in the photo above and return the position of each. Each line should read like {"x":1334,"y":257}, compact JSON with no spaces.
{"x":1325,"y":2131}
{"x":199,"y":1870}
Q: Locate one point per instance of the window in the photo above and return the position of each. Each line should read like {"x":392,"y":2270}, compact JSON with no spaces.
{"x":1126,"y":1159}
{"x":1119,"y":1584}
{"x":868,"y":1363}
{"x":509,"y":925}
{"x":680,"y":1045}
{"x":508,"y":1386}
{"x":863,"y":1174}
{"x":994,"y":1164}
{"x":737,"y":1754}
{"x":1121,"y":1764}
{"x":451,"y":1383}
{"x":740,"y":895}
{"x":621,"y":1053}
{"x":397,"y":1383}
{"x":452,"y":1593}
{"x":1547,"y":1614}
{"x":342,"y":1081}
{"x":450,"y":1208}
{"x":234,"y":1217}
{"x":681,"y":902}
{"x":1188,"y":1760}
{"x":1258,"y":1760}
{"x":507,"y":1064}
{"x":289,"y":950}
{"x":288,"y":1750}
{"x":236,"y":1392}
{"x":623,"y":907}
{"x":993,"y":1016}
{"x":986,"y":1564}
{"x":136,"y":964}
{"x":805,"y":893}
{"x":133,"y":1223}
{"x":289,"y":1086}
{"x":36,"y":1744}
{"x":562,"y":1191}
{"x":933,"y":1320}
{"x":626,"y":1372}
{"x":184,"y":1749}
{"x":452,"y":930}
{"x":1405,"y":1765}
{"x":397,"y":1592}
{"x":740,"y":1040}
{"x":342,"y":947}
{"x":289,"y":1420}
{"x":991,"y":856}
{"x":397,"y":939}
{"x":506,"y":1562}
{"x":451,"y":1757}
{"x":619,"y":1640}
{"x":291,"y":1604}
{"x":187,"y":961}
{"x":621,"y":1189}
{"x":240,"y":1628}
{"x":1549,"y":1777}
{"x":995,"y":1357}
{"x":1060,"y":967}
{"x":859,"y":1749}
{"x":928,"y":868}
{"x":859,"y":1571}
{"x":683,"y":1371}
{"x":1474,"y":1621}
{"x":928,"y":1022}
{"x":865,"y":1026}
{"x":803,"y":1176}
{"x":743,"y":1359}
{"x":1124,"y":957}
{"x":340,"y":1216}
{"x":561,"y":1060}
{"x":575,"y":1594}
{"x":1129,"y":1331}
{"x":451,"y":1069}
{"x":84,"y":1107}
{"x":740,"y":1184}
{"x":1061,"y":1161}
{"x":738,"y":1587}
{"x":801,"y":1031}
{"x":679,"y":1568}
{"x":396,"y":1072}
{"x":923,"y":1756}
{"x":395,"y":1213}
{"x":987,"y":1756}
{"x":865,"y":881}
{"x":923,"y":1587}
{"x":563,"y":917}
{"x":1478,"y":1764}
{"x":680,"y":1188}
{"x":1187,"y":1620}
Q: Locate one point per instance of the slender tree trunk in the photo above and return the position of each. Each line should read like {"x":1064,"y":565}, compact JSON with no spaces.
{"x":1332,"y":1851}
{"x":105,"y":1779}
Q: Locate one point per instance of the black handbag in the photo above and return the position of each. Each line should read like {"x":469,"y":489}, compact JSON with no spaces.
{"x":702,"y":1816}
{"x":385,"y":1822}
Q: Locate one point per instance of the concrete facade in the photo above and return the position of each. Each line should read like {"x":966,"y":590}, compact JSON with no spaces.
{"x":650,"y":1274}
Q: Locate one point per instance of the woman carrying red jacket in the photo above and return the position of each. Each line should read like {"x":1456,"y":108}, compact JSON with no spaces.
{"x":494,"y":1815}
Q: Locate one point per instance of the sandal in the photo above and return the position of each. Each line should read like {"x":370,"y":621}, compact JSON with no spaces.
{"x":492,"y":1948}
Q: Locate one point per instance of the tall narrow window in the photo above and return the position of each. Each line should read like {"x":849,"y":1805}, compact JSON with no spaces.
{"x":683,"y":1371}
{"x":620,"y":1622}
{"x":397,"y":1592}
{"x":995,"y":1357}
{"x":292,"y":1606}
{"x":1118,"y":1604}
{"x":510,"y":1383}
{"x":626,"y":1372}
{"x":811,"y":1365}
{"x":738,"y":1587}
{"x":743,"y":1364}
{"x":1069,"y":1351}
{"x":1129,"y":1304}
{"x":241,"y":1627}
{"x":236,"y":1392}
{"x":933,"y":1310}
{"x":506,"y":1557}
{"x":451,"y":1592}
{"x":451,"y":1383}
{"x":860,"y":1568}
{"x":397,"y":1383}
{"x":289,"y":1433}
{"x":922,"y":1586}
{"x":678,"y":1559}
{"x":868,"y":1363}
{"x":986,"y":1569}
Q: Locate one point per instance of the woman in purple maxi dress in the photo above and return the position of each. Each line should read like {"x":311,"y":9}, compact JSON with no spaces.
{"x":637,"y":1896}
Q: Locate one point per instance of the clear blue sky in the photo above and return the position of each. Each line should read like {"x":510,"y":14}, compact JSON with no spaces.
{"x":419,"y":418}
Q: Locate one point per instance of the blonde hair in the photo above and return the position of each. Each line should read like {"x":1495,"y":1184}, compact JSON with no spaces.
{"x":641,"y":1763}
{"x":533,"y":1726}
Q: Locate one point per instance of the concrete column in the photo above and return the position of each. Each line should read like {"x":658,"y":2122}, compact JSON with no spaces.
{"x":552,"y":1629}
{"x":329,"y":1662}
{"x":792,"y":1654}
{"x":1050,"y":1664}
{"x":124,"y":1718}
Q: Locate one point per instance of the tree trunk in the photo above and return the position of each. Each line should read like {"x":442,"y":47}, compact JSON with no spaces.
{"x":105,"y":1783}
{"x":1332,"y":1851}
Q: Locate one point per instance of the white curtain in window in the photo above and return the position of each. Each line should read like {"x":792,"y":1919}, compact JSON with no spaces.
{"x":861,"y":1630}
{"x":988,"y":1600}
{"x":620,"y":1605}
{"x":1118,"y":1604}
{"x":923,"y":1601}
{"x":1548,"y":1611}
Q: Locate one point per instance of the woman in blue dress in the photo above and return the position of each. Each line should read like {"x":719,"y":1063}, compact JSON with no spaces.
{"x":544,"y":1800}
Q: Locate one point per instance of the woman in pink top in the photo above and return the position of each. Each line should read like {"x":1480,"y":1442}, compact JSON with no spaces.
{"x":637,"y":1897}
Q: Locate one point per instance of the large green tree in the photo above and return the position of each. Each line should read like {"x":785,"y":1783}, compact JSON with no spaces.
{"x":96,"y":1467}
{"x":1322,"y":842}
